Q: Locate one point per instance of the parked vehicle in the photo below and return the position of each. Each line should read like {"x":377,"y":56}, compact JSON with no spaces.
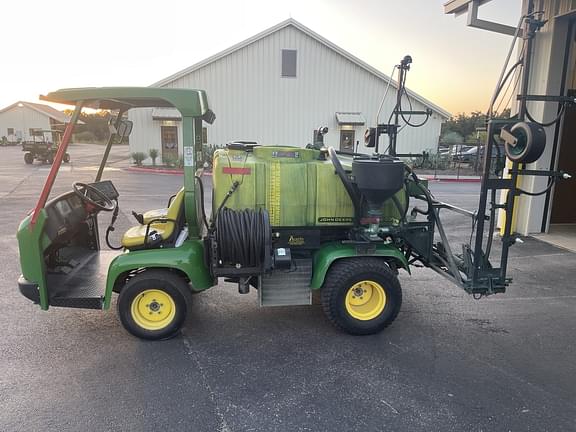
{"x":476,"y":154}
{"x":344,"y":236}
{"x":43,"y":147}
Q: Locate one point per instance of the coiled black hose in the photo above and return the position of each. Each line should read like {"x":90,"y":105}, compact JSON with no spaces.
{"x":242,"y":236}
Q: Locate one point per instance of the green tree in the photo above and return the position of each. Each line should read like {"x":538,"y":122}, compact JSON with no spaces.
{"x":94,"y":122}
{"x":451,"y":137}
{"x":467,"y":125}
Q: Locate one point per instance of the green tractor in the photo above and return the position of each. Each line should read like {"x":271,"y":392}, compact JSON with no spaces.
{"x":289,"y":222}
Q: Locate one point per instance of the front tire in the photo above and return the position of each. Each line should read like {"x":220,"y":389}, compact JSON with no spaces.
{"x":361,"y":295}
{"x":153,"y":305}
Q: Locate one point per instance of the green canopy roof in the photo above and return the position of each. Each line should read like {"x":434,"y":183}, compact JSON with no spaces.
{"x":190,"y":103}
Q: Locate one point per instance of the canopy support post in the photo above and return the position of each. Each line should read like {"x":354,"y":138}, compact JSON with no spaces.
{"x":109,"y":145}
{"x":56,"y":164}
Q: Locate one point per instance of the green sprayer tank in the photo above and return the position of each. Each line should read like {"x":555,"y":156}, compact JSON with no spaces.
{"x":297,"y":186}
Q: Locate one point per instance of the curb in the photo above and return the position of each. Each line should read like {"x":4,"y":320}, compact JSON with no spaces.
{"x":154,"y":170}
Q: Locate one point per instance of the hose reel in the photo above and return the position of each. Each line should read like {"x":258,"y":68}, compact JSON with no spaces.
{"x":242,"y":242}
{"x":524,"y":142}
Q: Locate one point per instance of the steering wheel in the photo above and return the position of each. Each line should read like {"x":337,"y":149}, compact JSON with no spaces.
{"x":84,"y":191}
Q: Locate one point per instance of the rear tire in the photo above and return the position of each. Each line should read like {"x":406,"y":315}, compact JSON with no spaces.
{"x":153,"y":305}
{"x":66,"y":158}
{"x":361,"y":295}
{"x":28,"y":158}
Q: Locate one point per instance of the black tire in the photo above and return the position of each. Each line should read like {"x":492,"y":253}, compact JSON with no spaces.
{"x":346,"y":275}
{"x":28,"y":158}
{"x":50,"y":159}
{"x":138,"y":298}
{"x":66,"y":158}
{"x":531,"y":142}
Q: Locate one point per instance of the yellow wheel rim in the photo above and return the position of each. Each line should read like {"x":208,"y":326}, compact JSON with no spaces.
{"x":365,"y":300}
{"x":153,"y":309}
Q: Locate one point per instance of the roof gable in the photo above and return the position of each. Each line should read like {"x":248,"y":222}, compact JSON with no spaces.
{"x":46,"y":110}
{"x":297,"y":25}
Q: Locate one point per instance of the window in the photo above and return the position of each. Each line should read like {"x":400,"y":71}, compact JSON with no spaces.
{"x":289,"y":63}
{"x":10,"y":131}
{"x":204,"y":135}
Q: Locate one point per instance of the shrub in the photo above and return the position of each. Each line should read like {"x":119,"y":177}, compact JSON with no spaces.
{"x":208,"y":153}
{"x":139,"y":157}
{"x":170,"y":161}
{"x":153,"y":155}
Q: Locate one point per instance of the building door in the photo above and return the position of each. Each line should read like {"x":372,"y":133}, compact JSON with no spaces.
{"x":347,"y":141}
{"x":563,"y":203}
{"x":169,"y":138}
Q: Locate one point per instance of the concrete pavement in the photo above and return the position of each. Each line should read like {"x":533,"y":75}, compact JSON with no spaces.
{"x":448,"y":363}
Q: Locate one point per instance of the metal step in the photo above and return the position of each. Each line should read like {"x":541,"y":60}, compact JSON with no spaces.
{"x":287,"y":288}
{"x":81,"y":285}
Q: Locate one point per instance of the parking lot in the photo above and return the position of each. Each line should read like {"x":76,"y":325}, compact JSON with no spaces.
{"x":448,"y":362}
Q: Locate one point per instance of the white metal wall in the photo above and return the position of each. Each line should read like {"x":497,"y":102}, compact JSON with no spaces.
{"x":146,"y":132}
{"x":21,"y":119}
{"x":546,"y":73}
{"x":252,"y":101}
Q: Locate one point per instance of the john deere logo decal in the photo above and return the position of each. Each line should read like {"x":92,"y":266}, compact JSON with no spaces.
{"x":335,"y":219}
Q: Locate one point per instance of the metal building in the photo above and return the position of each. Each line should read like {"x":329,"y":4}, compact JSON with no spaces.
{"x":553,"y":72}
{"x":277,"y":88}
{"x":19,"y":120}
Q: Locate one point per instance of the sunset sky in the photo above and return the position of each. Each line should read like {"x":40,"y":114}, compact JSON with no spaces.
{"x":55,"y":44}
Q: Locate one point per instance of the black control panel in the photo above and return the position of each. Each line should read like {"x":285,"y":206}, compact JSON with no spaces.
{"x":107,"y":188}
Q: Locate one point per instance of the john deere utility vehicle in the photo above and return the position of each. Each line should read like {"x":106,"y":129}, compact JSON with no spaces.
{"x":43,"y":146}
{"x":286,"y":221}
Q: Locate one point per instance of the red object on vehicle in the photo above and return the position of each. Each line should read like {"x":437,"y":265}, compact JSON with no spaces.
{"x":54,"y":170}
{"x":236,"y":170}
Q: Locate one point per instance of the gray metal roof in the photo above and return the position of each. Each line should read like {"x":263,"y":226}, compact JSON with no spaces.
{"x":47,"y":110}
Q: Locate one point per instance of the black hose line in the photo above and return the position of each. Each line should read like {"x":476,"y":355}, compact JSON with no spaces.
{"x":111,"y":228}
{"x":203,"y":210}
{"x":491,"y":227}
{"x":551,"y":183}
{"x":223,"y":203}
{"x":242,"y":237}
{"x":502,"y":84}
{"x":550,"y":123}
